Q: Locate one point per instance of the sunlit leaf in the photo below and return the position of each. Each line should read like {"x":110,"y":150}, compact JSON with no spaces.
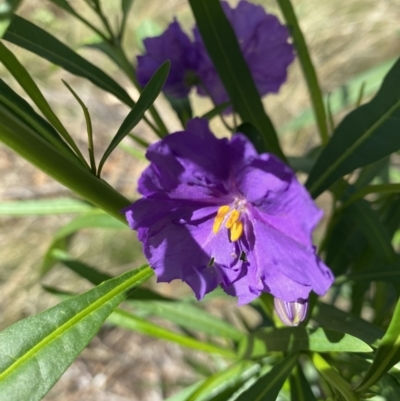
{"x":36,"y":351}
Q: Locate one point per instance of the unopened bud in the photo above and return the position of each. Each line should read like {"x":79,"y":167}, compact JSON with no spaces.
{"x":291,"y":313}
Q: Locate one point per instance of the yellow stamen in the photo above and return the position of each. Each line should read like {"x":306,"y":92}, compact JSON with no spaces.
{"x":236,"y":230}
{"x":219,"y":218}
{"x":232,"y":219}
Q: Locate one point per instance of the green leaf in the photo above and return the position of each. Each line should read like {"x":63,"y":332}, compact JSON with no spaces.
{"x":20,"y":73}
{"x":7,"y":9}
{"x":336,"y":381}
{"x":221,"y":385}
{"x":20,"y":137}
{"x":378,"y":272}
{"x":182,"y":313}
{"x":216,"y":111}
{"x":96,"y":277}
{"x":330,"y":317}
{"x":387,"y":354}
{"x":146,"y":99}
{"x":30,"y":37}
{"x":372,"y":228}
{"x":300,"y":389}
{"x":291,"y":339}
{"x":36,"y":351}
{"x":190,"y":317}
{"x":224,"y":50}
{"x":366,"y":135}
{"x":23,"y":109}
{"x":253,"y":134}
{"x":267,"y":387}
{"x":127,"y":320}
{"x":89,"y":129}
{"x":382,"y":189}
{"x":307,"y":67}
{"x":43,"y":207}
{"x":95,"y":219}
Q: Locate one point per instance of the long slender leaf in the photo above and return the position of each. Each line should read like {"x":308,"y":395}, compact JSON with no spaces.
{"x":332,"y":318}
{"x":182,"y":313}
{"x":146,"y":99}
{"x":30,"y":37}
{"x":366,"y":135}
{"x":23,"y":109}
{"x":27,"y":143}
{"x":300,"y":389}
{"x":291,"y":339}
{"x":95,"y":219}
{"x":387,"y":355}
{"x":20,"y":73}
{"x":225,"y":382}
{"x":223,"y":48}
{"x":372,"y":189}
{"x":267,"y":387}
{"x":37,"y":350}
{"x":307,"y":67}
{"x":378,"y":272}
{"x":43,"y":207}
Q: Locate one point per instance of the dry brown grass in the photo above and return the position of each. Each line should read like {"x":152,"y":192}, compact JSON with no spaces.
{"x":345,"y":37}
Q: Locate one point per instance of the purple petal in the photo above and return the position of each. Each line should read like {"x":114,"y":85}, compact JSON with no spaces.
{"x":189,"y":164}
{"x":173,"y":45}
{"x":264,"y":44}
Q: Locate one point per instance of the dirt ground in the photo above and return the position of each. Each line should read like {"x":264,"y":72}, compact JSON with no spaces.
{"x":345,"y":38}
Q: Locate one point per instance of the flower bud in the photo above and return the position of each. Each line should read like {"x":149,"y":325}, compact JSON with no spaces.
{"x":291,"y":313}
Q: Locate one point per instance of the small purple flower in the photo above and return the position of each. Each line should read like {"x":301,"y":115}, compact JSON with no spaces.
{"x":173,"y":45}
{"x":265,"y":47}
{"x":263,"y":41}
{"x":214,"y":212}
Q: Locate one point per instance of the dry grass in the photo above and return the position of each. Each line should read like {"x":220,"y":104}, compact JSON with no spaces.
{"x":345,"y":38}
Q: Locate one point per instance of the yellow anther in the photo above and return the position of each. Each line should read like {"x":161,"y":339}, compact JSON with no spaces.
{"x":236,"y":230}
{"x":232,"y":219}
{"x":219,"y":218}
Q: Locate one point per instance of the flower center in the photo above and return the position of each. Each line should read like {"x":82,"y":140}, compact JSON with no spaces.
{"x":231,"y":217}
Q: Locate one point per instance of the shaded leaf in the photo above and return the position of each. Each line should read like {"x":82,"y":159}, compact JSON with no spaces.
{"x":300,"y":389}
{"x":37,"y":350}
{"x":267,"y":387}
{"x":30,"y":37}
{"x":366,"y":135}
{"x":291,"y":339}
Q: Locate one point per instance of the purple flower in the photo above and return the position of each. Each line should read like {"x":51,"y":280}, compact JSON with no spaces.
{"x":173,"y":45}
{"x":263,"y":41}
{"x":214,"y":212}
{"x":264,"y":44}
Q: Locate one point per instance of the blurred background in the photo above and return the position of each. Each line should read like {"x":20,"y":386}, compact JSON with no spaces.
{"x":353,"y":43}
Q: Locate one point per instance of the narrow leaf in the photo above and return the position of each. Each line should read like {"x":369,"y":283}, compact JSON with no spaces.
{"x":20,"y":73}
{"x":30,"y":37}
{"x":387,"y":355}
{"x":223,"y":48}
{"x":291,"y":339}
{"x":267,"y":387}
{"x":366,"y":135}
{"x":7,"y":9}
{"x":307,"y":67}
{"x":43,"y":207}
{"x":216,"y":111}
{"x":30,"y":145}
{"x":146,"y":99}
{"x":26,"y":113}
{"x":36,"y":351}
{"x":300,"y":389}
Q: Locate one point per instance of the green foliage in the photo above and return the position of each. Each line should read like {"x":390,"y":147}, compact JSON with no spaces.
{"x":36,"y":351}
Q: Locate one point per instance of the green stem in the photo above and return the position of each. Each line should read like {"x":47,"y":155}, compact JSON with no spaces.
{"x":307,"y":67}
